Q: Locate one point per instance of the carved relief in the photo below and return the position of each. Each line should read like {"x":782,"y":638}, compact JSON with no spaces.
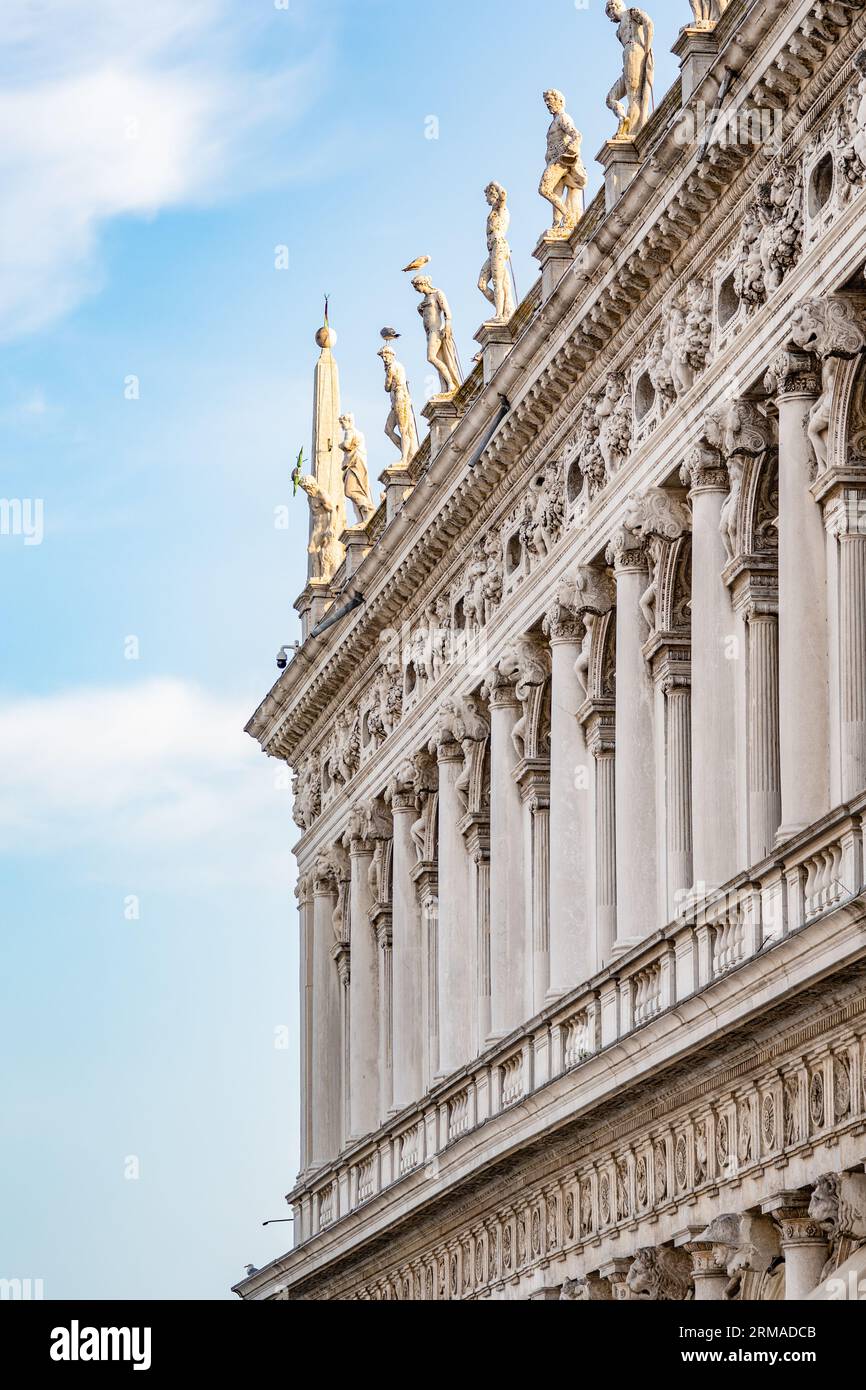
{"x":661,"y":1274}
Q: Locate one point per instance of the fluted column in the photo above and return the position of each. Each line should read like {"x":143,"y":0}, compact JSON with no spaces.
{"x":306,"y":900}
{"x":364,"y":1015}
{"x":678,"y":788}
{"x":508,"y":963}
{"x":326,"y":1044}
{"x":765,"y":795}
{"x":636,"y":869}
{"x":456,"y":975}
{"x":406,"y":954}
{"x":539,"y":906}
{"x":852,"y":645}
{"x":803,"y":642}
{"x":572,"y":958}
{"x":386,"y":1014}
{"x":713,"y":656}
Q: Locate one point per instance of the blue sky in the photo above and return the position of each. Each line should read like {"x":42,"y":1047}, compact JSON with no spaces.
{"x":153,"y":157}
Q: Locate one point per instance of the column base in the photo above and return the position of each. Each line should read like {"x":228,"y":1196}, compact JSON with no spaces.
{"x":787,"y":832}
{"x":624,"y":945}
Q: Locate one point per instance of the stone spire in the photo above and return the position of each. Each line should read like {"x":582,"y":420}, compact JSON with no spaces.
{"x":327,"y":460}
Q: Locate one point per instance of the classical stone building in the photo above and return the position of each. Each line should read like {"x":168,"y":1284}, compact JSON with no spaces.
{"x":578,"y":727}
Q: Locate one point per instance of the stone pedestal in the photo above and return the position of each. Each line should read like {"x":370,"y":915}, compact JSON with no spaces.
{"x":803,"y":641}
{"x":312,"y":604}
{"x":364,"y":1012}
{"x":620,"y":161}
{"x":407,"y":973}
{"x":398,"y":486}
{"x":443,"y":416}
{"x":555,"y":256}
{"x":357,"y":547}
{"x":496,"y":341}
{"x":696,"y":48}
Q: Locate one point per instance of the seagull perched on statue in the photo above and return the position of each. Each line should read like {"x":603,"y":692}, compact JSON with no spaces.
{"x":418,"y":262}
{"x":388,"y":334}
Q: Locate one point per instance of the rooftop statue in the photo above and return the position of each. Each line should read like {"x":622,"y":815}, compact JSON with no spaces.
{"x":356,"y":477}
{"x":435,"y":314}
{"x":564,"y":177}
{"x":400,"y":425}
{"x":495,"y":281}
{"x":635,"y":85}
{"x":324,"y":549}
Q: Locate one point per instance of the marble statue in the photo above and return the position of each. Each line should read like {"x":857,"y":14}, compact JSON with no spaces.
{"x":356,"y":478}
{"x":707,"y":13}
{"x":564,"y":177}
{"x":494,"y":281}
{"x":400,"y":426}
{"x":635,"y":85}
{"x":435,"y":314}
{"x":324,"y":549}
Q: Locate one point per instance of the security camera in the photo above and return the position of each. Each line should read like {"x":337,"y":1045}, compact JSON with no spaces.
{"x":283,"y":658}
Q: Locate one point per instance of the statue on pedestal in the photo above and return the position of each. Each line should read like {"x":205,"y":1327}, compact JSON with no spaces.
{"x":635,"y":32}
{"x":564,"y":177}
{"x":435,"y":314}
{"x":400,"y":425}
{"x":494,"y":281}
{"x":324,"y":549}
{"x":356,"y":478}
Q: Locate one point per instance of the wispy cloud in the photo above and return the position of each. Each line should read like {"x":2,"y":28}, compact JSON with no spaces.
{"x":159,"y":775}
{"x":109,"y":109}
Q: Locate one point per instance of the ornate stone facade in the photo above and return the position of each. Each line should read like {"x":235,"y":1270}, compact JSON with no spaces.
{"x":578,"y":733}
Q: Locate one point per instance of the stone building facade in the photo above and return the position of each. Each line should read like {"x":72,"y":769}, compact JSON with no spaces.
{"x":578,"y":729}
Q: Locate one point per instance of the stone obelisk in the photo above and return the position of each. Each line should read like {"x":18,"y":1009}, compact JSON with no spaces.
{"x":327,"y":459}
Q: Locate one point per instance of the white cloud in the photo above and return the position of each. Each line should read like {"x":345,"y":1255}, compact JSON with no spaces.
{"x":111,"y":108}
{"x":158,"y":774}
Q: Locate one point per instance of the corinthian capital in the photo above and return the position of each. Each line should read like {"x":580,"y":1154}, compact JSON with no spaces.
{"x":794,"y":372}
{"x":704,"y":469}
{"x":626,"y":551}
{"x":562,"y":622}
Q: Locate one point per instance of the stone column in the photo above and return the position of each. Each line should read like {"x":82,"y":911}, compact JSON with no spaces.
{"x":714,"y":770}
{"x":804,"y":1242}
{"x":636,"y":895}
{"x":803,"y":644}
{"x":537,"y":856}
{"x":386,"y":1013}
{"x":364,"y":1014}
{"x":407,"y":954}
{"x":304,"y":893}
{"x":326,"y":1069}
{"x":765,"y":796}
{"x":456,"y":977}
{"x":852,"y":643}
{"x":508,"y":963}
{"x":572,"y":957}
{"x":711,"y":1278}
{"x":678,"y":787}
{"x":601,"y":746}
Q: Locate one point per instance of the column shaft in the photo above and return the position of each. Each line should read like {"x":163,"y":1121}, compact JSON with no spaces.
{"x":678,"y":793}
{"x":765,"y":795}
{"x":305,"y":960}
{"x":852,"y":662}
{"x":455,"y":947}
{"x":364,"y":1013}
{"x":508,"y":963}
{"x":407,"y":960}
{"x":803,"y":645}
{"x":386,"y":1019}
{"x":714,"y":791}
{"x":605,"y":858}
{"x":327,"y":1062}
{"x":636,"y":898}
{"x":540,"y":904}
{"x":572,"y":958}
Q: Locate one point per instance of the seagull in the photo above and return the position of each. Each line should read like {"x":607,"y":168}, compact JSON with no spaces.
{"x":418,"y":262}
{"x":388,"y":334}
{"x":251,"y":1270}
